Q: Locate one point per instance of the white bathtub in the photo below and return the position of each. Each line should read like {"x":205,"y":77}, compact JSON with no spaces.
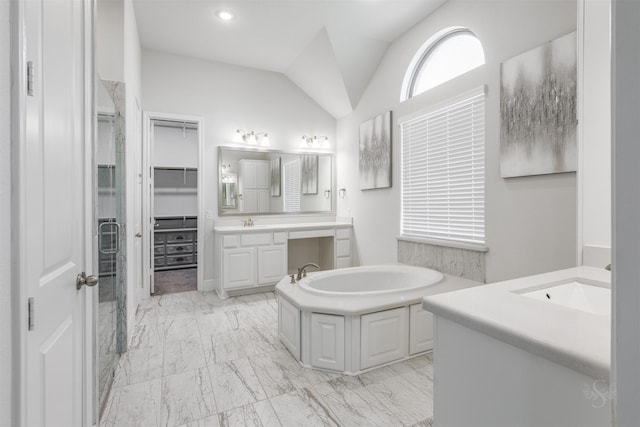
{"x":359,"y":318}
{"x":372,"y":279}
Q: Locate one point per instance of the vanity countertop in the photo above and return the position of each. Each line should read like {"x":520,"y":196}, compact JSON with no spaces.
{"x":278,"y":227}
{"x":573,"y":338}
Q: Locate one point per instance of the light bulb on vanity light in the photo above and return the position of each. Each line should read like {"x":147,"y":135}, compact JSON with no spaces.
{"x":225,"y":15}
{"x":315,"y":142}
{"x":252,"y":138}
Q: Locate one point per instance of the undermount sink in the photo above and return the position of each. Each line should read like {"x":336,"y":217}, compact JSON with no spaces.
{"x":576,"y":295}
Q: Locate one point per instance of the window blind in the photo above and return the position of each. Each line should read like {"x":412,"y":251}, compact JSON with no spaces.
{"x":292,"y":186}
{"x":443,"y":171}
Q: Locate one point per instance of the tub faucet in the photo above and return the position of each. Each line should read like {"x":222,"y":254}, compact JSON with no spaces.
{"x":248,"y":222}
{"x":302,"y":271}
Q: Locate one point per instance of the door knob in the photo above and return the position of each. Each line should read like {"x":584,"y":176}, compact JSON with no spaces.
{"x":83,"y":279}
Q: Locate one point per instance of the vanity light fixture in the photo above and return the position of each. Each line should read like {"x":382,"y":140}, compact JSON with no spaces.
{"x":252,"y":138}
{"x":225,"y":15}
{"x":327,"y":194}
{"x":314,"y":141}
{"x":342,"y":192}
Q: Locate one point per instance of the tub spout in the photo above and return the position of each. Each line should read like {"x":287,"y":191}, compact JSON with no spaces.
{"x":302,"y":271}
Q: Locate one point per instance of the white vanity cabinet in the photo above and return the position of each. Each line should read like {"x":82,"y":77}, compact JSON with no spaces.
{"x":250,"y":259}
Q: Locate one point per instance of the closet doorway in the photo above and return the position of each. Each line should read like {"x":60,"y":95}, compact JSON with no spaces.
{"x":174,"y":233}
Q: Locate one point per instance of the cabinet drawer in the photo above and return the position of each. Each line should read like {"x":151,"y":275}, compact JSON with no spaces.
{"x":176,"y":249}
{"x":158,"y":250}
{"x":158,"y":261}
{"x":159,"y":237}
{"x":230,"y":241}
{"x":179,"y":259}
{"x":343,"y":233}
{"x":178,"y":237}
{"x":280,"y":238}
{"x":254,"y":239}
{"x":343,"y":262}
{"x":343,"y":248}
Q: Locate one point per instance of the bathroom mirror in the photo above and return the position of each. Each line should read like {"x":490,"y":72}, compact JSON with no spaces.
{"x":272,"y":182}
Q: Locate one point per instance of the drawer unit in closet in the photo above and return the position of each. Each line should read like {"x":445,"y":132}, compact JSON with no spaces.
{"x":175,"y":247}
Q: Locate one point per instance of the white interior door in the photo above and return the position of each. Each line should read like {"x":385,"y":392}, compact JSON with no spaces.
{"x":137,"y":200}
{"x":52,"y":188}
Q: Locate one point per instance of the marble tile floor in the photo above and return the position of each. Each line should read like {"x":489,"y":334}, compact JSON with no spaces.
{"x":199,"y":361}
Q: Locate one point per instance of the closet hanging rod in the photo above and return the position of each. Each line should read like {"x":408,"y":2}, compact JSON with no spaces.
{"x":174,"y":168}
{"x":175,"y":124}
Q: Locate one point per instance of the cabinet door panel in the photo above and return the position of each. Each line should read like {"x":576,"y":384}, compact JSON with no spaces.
{"x":327,"y":341}
{"x":272,"y":264}
{"x":239,"y":268}
{"x":263,"y":175}
{"x":383,"y":337}
{"x":420,"y":329}
{"x":289,"y":326}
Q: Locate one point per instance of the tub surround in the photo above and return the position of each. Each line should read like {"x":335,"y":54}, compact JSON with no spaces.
{"x":543,"y":363}
{"x":364,"y":326}
{"x":358,"y":304}
{"x":455,"y":261}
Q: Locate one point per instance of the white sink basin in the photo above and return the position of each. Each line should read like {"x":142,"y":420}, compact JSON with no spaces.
{"x":576,"y":295}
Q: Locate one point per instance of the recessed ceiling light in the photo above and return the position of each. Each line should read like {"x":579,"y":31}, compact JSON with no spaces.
{"x":225,"y":15}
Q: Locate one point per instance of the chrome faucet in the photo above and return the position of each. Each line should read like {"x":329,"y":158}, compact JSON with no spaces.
{"x":248,"y":222}
{"x":302,"y":271}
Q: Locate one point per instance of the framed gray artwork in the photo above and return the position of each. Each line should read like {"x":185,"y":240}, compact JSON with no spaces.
{"x":538,"y":117}
{"x":309,"y":178}
{"x":375,"y":152}
{"x":276,"y":176}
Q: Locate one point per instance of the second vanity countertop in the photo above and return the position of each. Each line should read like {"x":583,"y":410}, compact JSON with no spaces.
{"x":278,"y":227}
{"x":576,"y":339}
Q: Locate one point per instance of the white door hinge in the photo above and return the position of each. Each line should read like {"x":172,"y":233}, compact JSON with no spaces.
{"x":32,"y":305}
{"x":31,"y":77}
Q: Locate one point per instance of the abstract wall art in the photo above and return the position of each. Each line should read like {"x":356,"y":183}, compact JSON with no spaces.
{"x":309,"y":179}
{"x":538,"y":110}
{"x":276,"y":176}
{"x":375,"y":152}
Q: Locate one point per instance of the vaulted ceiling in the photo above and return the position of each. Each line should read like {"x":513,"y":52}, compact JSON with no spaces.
{"x":329,"y":48}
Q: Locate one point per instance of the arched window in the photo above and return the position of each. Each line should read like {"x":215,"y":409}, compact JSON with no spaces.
{"x":446,"y":55}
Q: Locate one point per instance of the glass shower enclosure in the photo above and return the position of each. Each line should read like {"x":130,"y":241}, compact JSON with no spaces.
{"x":109,"y":229}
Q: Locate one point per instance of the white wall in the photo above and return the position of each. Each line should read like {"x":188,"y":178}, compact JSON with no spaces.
{"x":172,"y":148}
{"x":229,"y":97}
{"x":5,"y":219}
{"x":594,"y":235}
{"x":109,"y":40}
{"x":531,"y":221}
